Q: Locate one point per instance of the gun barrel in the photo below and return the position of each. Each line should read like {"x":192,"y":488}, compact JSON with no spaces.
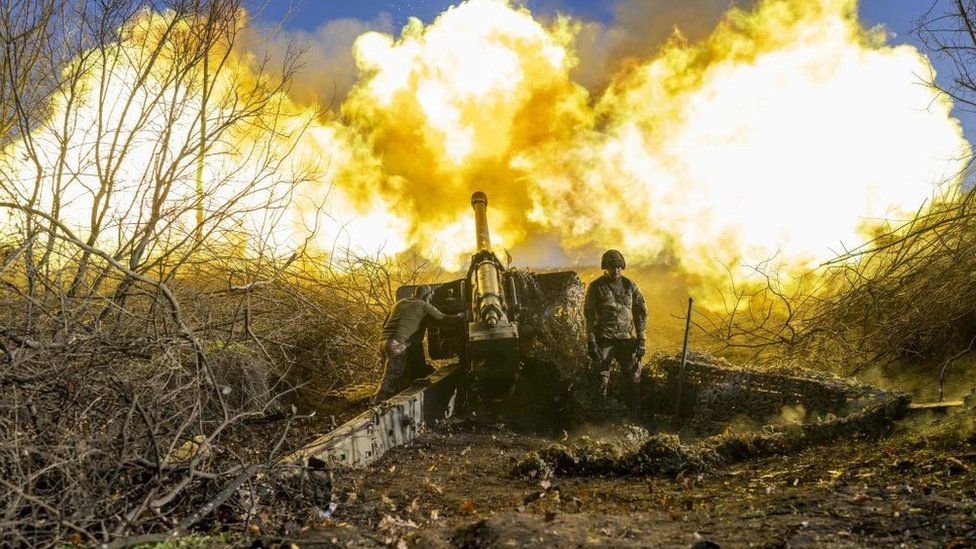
{"x":492,"y":347}
{"x":488,"y":293}
{"x":479,"y":201}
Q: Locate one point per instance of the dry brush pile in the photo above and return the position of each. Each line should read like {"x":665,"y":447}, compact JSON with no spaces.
{"x":156,"y":339}
{"x":908,"y":297}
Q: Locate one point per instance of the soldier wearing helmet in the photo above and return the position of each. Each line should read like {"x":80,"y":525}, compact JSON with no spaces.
{"x":401,"y":341}
{"x":616,"y":322}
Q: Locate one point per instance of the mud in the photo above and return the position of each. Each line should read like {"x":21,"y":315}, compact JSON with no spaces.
{"x":915,"y":485}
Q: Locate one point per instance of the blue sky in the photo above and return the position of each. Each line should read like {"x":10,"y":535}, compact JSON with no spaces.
{"x":900,"y":17}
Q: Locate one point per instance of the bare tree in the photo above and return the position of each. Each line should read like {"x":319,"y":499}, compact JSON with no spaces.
{"x":133,"y":342}
{"x":948,"y":30}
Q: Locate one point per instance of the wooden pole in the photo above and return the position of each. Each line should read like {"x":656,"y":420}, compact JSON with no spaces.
{"x":676,"y":418}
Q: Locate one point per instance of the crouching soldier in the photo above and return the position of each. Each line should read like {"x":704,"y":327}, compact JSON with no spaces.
{"x":403,"y":337}
{"x":616,"y":322}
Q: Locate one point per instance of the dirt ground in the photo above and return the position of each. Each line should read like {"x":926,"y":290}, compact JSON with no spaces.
{"x":915,"y":486}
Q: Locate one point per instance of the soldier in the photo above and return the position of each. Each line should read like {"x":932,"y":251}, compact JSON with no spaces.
{"x":616,"y":322}
{"x":402,"y":339}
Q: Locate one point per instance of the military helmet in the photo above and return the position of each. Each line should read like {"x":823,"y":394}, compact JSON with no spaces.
{"x":422,"y":291}
{"x":612,"y":258}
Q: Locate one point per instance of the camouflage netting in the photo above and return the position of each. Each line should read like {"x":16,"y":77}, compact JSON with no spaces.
{"x":714,"y":392}
{"x":551,"y":324}
{"x":551,"y":342}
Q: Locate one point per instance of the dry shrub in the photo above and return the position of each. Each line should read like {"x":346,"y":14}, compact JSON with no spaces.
{"x":908,"y":297}
{"x":148,"y":343}
{"x":119,"y":426}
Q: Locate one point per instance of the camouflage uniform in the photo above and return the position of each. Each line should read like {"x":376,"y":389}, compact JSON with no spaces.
{"x":401,"y":343}
{"x":616,"y":322}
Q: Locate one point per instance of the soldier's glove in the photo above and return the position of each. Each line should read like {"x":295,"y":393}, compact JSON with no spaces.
{"x":593,"y":350}
{"x":641,"y":350}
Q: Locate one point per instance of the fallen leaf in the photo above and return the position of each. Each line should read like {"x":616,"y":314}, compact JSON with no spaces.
{"x":431,"y":487}
{"x":532,"y":497}
{"x":956,"y":466}
{"x":386,"y":523}
{"x":467,"y":507}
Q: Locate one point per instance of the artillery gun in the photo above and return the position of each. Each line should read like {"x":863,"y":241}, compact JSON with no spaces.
{"x":523,"y":332}
{"x":487,"y":344}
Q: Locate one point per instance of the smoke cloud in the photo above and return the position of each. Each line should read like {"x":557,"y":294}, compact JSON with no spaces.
{"x":638,"y":30}
{"x":776,"y":129}
{"x":776,"y":132}
{"x":329,"y":70}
